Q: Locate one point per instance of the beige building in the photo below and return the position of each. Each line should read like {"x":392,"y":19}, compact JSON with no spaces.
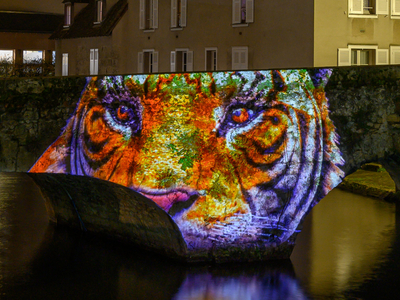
{"x":135,"y":36}
{"x":356,"y":32}
{"x":25,"y":28}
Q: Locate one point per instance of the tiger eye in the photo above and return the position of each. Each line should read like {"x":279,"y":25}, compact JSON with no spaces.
{"x":240,"y":115}
{"x":123,"y":113}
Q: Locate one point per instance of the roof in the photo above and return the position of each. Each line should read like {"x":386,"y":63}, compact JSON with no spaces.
{"x":83,"y":23}
{"x":30,"y":22}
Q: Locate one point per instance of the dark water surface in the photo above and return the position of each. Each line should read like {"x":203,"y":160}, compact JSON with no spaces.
{"x":349,"y":249}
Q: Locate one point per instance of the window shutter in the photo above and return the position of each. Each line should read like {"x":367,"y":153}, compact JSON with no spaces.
{"x":356,"y":6}
{"x":183,"y":13}
{"x":249,"y":11}
{"x":395,"y":7}
{"x":382,"y":7}
{"x":235,"y":59}
{"x":344,"y":57}
{"x":140,"y":62}
{"x":236,"y":11}
{"x":382,"y":56}
{"x":91,"y":67}
{"x":96,"y":61}
{"x":65,"y":64}
{"x":189,"y":64}
{"x":395,"y":55}
{"x":155,"y":14}
{"x":155,"y":62}
{"x":173,"y":58}
{"x":173,"y":13}
{"x":142,"y":16}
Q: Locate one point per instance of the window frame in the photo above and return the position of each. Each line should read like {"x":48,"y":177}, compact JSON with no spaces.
{"x":68,"y":14}
{"x":238,"y":19}
{"x":152,"y":23}
{"x":211,"y":49}
{"x":240,"y":49}
{"x":153,"y":61}
{"x":178,"y":22}
{"x":381,"y":7}
{"x":379,"y":53}
{"x":99,"y":17}
{"x":188,"y":65}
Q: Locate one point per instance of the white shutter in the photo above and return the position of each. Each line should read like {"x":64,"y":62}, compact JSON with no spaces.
{"x":243,"y":59}
{"x":91,"y":67}
{"x":395,"y":7}
{"x":65,"y":64}
{"x":249,"y":11}
{"x":183,"y":13}
{"x":155,"y":14}
{"x":155,"y":62}
{"x":189,"y":63}
{"x":142,"y":16}
{"x":235,"y":59}
{"x":236,"y":18}
{"x":356,"y":6}
{"x":382,"y":56}
{"x":344,"y":57}
{"x":140,"y":62}
{"x":96,"y":61}
{"x":382,"y":7}
{"x":395,"y":55}
{"x":173,"y":13}
{"x":173,"y":61}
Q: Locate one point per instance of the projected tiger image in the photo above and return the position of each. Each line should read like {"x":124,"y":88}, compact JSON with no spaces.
{"x":233,"y":157}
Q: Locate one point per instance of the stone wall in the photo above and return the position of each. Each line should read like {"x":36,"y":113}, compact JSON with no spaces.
{"x":364,"y":105}
{"x":32,"y":115}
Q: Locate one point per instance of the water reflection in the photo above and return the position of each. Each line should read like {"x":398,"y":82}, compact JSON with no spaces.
{"x":347,"y":246}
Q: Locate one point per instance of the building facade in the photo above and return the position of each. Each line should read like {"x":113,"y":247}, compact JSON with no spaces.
{"x":356,"y":32}
{"x":150,"y":36}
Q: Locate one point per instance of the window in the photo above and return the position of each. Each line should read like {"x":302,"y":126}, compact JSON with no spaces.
{"x":239,"y":58}
{"x":181,"y":60}
{"x":178,"y":13}
{"x":94,"y":61}
{"x":242,"y":11}
{"x":32,"y":56}
{"x":99,"y":11}
{"x":6,"y":55}
{"x":148,"y":18}
{"x":211,"y":59}
{"x":395,"y":55}
{"x":365,"y":8}
{"x":362,"y":55}
{"x":396,"y":8}
{"x":64,"y":64}
{"x":148,"y":61}
{"x":68,"y":8}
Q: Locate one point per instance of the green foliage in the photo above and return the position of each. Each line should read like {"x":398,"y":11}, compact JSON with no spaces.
{"x":33,"y":68}
{"x":187,"y":150}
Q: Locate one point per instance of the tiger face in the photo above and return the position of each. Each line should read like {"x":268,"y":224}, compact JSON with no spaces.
{"x":233,"y":157}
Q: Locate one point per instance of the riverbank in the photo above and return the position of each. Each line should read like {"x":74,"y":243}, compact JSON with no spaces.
{"x":371,"y":180}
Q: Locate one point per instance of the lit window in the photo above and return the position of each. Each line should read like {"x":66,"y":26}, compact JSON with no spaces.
{"x":181,"y":60}
{"x":6,"y":55}
{"x":148,"y":18}
{"x":178,"y":13}
{"x":362,"y":55}
{"x":99,"y":11}
{"x":239,"y":58}
{"x":94,"y":61}
{"x":68,"y":14}
{"x":64,"y":64}
{"x":368,"y":8}
{"x":242,"y":11}
{"x":148,"y":61}
{"x":211,"y":59}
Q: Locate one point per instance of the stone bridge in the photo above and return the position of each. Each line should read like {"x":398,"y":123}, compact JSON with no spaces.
{"x":364,"y":105}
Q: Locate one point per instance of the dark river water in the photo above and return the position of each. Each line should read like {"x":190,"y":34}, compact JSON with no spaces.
{"x":349,"y":248}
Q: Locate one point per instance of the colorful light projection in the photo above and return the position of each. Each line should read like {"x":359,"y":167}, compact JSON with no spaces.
{"x":234,"y":158}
